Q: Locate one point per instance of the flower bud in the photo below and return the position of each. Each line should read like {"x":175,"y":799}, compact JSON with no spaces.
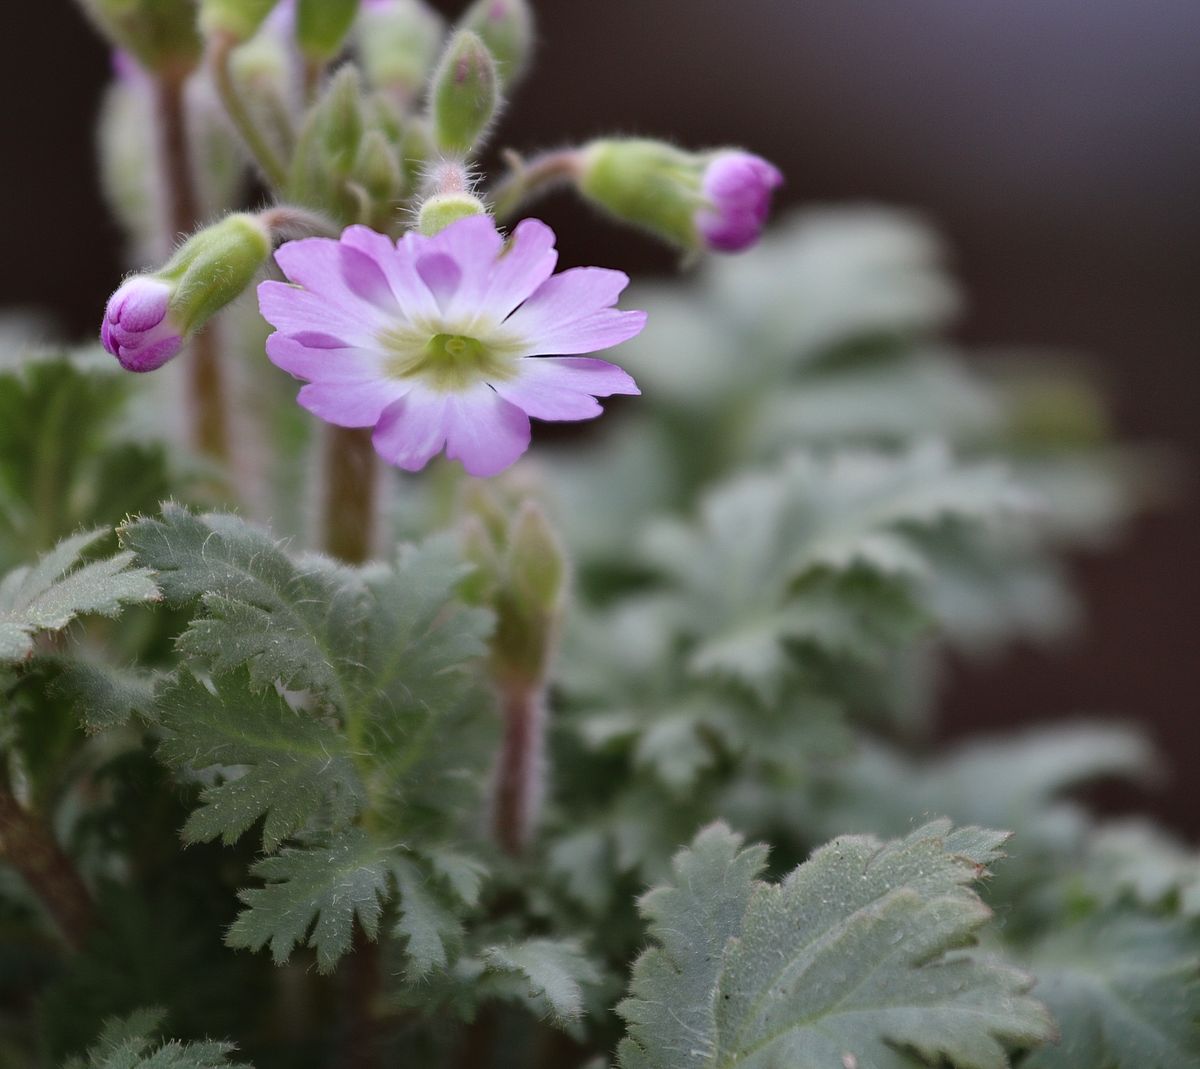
{"x":717,"y":200}
{"x":464,"y":96}
{"x":737,"y":187}
{"x":136,"y":327}
{"x":329,"y":149}
{"x":322,"y":26}
{"x":442,"y":209}
{"x":150,"y":317}
{"x":398,"y":43}
{"x":537,"y":563}
{"x":506,"y":27}
{"x":161,"y":34}
{"x":239,"y":19}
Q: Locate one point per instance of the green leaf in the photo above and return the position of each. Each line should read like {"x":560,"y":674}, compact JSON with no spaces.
{"x":425,"y":924}
{"x":323,"y":888}
{"x":1125,"y":990}
{"x":854,"y":955}
{"x":128,"y":1044}
{"x":1137,"y":858}
{"x":294,"y":621}
{"x":103,"y":697}
{"x":296,"y":766}
{"x":50,"y":594}
{"x":556,"y":970}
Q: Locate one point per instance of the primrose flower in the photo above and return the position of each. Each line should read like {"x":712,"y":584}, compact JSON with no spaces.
{"x":136,"y":328}
{"x":738,"y":187}
{"x":451,"y":341}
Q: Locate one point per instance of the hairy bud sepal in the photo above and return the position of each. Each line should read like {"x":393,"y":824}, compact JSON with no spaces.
{"x":322,"y":26}
{"x":465,"y":96}
{"x":162,"y":34}
{"x":506,"y":27}
{"x":442,"y":209}
{"x":239,"y":19}
{"x":398,"y":43}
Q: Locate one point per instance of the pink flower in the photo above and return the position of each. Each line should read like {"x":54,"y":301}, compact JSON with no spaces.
{"x":136,"y":329}
{"x":452,"y":341}
{"x":738,"y":187}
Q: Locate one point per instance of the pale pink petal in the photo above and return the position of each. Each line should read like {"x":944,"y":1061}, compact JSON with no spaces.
{"x":567,"y":297}
{"x":412,"y":430}
{"x":528,"y":261}
{"x":484,"y":431}
{"x":338,"y":271}
{"x":352,"y":404}
{"x":473,"y":244}
{"x":600,"y":330}
{"x":564,"y":388}
{"x":323,"y":363}
{"x":296,"y":311}
{"x":398,"y":263}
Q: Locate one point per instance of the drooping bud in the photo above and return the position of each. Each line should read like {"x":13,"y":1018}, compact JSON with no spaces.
{"x":506,"y":27}
{"x":442,"y":209}
{"x":398,"y":43}
{"x":715,"y":200}
{"x":150,"y":317}
{"x":161,"y":34}
{"x":239,"y":19}
{"x":322,"y":26}
{"x":464,"y":96}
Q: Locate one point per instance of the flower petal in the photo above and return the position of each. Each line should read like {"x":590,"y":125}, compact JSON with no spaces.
{"x":398,"y":263}
{"x":352,"y":404}
{"x":564,"y":389}
{"x":412,"y":430}
{"x":571,"y":313}
{"x":484,"y":431}
{"x":323,"y":363}
{"x":338,"y":271}
{"x":473,"y":244}
{"x":529,"y":260}
{"x":601,"y":330}
{"x":296,"y":311}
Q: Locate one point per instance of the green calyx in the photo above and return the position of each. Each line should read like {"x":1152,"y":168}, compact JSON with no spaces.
{"x":162,"y":34}
{"x":439,"y":211}
{"x":240,"y":19}
{"x":647,"y":183}
{"x":322,"y":26}
{"x":506,"y":27}
{"x":465,"y":95}
{"x":447,"y":362}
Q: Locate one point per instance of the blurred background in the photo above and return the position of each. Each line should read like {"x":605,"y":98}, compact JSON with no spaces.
{"x":1055,"y":143}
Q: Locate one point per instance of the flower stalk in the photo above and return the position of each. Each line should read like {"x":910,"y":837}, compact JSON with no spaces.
{"x":529,"y":179}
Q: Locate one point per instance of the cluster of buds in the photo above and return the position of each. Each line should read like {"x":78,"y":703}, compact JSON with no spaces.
{"x":424,"y":321}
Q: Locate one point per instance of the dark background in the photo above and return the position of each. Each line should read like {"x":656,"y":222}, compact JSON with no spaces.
{"x":1056,"y":142}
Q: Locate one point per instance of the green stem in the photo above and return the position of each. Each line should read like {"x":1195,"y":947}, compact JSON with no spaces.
{"x":529,"y":179}
{"x":349,"y":493}
{"x":220,"y":48}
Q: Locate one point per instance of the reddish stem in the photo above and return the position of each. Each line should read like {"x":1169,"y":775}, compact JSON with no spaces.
{"x":518,"y":785}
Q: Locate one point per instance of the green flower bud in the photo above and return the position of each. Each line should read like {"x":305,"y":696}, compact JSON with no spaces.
{"x":442,"y":209}
{"x":647,"y":183}
{"x":506,"y":27}
{"x":398,"y":44}
{"x":239,"y":19}
{"x":329,"y":149}
{"x":339,"y":121}
{"x":213,"y":267}
{"x":322,"y":26}
{"x":537,"y":563}
{"x":464,"y":96}
{"x":160,"y":33}
{"x":377,"y":169}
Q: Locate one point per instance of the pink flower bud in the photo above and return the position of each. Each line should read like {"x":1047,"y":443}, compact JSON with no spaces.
{"x":136,"y":329}
{"x":738,"y":187}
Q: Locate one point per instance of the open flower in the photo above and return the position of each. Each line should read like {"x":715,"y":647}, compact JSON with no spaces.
{"x":136,"y":328}
{"x":452,"y":341}
{"x":738,"y":187}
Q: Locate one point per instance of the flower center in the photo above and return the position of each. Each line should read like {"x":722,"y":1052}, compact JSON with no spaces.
{"x":447,"y":361}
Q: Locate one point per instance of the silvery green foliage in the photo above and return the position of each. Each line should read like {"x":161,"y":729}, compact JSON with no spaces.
{"x":129,"y":1044}
{"x":856,"y":953}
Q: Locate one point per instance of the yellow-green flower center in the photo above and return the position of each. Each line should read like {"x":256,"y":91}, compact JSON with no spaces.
{"x":448,"y":362}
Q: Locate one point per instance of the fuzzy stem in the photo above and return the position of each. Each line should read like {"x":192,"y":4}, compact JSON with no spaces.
{"x":517,"y":791}
{"x":533,"y":178}
{"x":220,"y":48}
{"x":28,"y":844}
{"x":286,"y":222}
{"x":209,"y":420}
{"x":349,"y":493}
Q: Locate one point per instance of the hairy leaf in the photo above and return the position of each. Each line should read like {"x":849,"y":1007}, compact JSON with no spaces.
{"x":324,"y":889}
{"x":294,"y":766}
{"x":128,"y":1044}
{"x":854,"y":955}
{"x":556,"y":970}
{"x":50,"y":594}
{"x":425,"y":923}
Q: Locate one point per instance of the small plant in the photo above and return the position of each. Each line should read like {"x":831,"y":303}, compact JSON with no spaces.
{"x":330,"y":741}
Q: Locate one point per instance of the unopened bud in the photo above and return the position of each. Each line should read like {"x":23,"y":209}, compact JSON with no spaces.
{"x":398,"y":44}
{"x":464,"y":96}
{"x":537,"y":563}
{"x":150,"y":317}
{"x":716,"y":200}
{"x":506,"y":27}
{"x":161,"y":34}
{"x":378,"y":169}
{"x":442,"y":209}
{"x":329,"y":149}
{"x":239,"y":19}
{"x":322,"y":26}
{"x":339,"y":121}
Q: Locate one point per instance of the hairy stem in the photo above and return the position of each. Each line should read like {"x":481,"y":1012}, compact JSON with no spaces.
{"x":28,"y":844}
{"x":220,"y":48}
{"x":349,"y":493}
{"x":529,"y":179}
{"x":206,"y":386}
{"x":517,"y":791}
